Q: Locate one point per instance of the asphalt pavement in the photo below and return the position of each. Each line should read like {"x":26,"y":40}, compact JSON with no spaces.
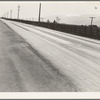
{"x":24,"y":69}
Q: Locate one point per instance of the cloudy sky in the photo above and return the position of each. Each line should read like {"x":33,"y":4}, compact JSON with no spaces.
{"x":65,"y":8}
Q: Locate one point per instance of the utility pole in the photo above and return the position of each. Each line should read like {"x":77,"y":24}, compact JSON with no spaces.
{"x":10,"y":13}
{"x":39,"y":12}
{"x":18,"y":11}
{"x":91,"y":20}
{"x":91,"y":24}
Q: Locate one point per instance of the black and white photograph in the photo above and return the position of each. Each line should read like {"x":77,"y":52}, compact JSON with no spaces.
{"x":49,"y":46}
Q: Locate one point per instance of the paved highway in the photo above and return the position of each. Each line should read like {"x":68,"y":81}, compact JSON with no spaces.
{"x":49,"y":60}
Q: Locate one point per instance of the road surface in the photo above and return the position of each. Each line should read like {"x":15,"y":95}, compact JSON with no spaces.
{"x":47,"y":60}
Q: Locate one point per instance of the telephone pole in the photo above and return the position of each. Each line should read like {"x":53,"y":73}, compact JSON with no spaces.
{"x":18,"y":11}
{"x":91,"y":24}
{"x":91,"y":20}
{"x":39,"y":12}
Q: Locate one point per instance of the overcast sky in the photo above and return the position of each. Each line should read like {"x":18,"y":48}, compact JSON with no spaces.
{"x":30,"y":9}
